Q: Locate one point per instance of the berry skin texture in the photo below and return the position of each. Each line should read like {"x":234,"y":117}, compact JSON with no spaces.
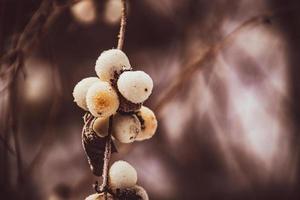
{"x":102,"y":100}
{"x":122,"y":175}
{"x":111,"y":63}
{"x":126,"y":127}
{"x":100,"y":126}
{"x":149,"y":123}
{"x":80,"y":91}
{"x":135,"y":86}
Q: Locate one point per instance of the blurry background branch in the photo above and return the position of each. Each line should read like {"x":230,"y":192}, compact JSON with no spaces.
{"x":205,"y":60}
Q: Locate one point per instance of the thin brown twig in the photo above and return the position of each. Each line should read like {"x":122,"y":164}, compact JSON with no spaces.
{"x":123,"y":23}
{"x":37,"y":26}
{"x":107,"y":153}
{"x":187,"y":72}
{"x":13,"y":61}
{"x":7,"y":146}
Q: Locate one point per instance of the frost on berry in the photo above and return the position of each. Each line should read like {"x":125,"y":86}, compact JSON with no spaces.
{"x":135,"y":86}
{"x":148,"y":122}
{"x":100,"y":126}
{"x":126,"y":127}
{"x":80,"y":91}
{"x":102,"y":100}
{"x":110,"y":64}
{"x":133,"y":193}
{"x":122,"y":175}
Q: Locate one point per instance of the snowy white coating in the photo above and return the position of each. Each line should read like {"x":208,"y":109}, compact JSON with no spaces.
{"x":80,"y":91}
{"x":122,"y":175}
{"x":126,"y":127}
{"x":100,"y":126}
{"x":102,"y":100}
{"x":135,"y":86}
{"x":149,"y":123}
{"x":110,"y":63}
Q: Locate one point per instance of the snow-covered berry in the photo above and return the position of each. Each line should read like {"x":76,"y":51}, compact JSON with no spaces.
{"x":126,"y":127}
{"x":122,"y":175}
{"x":111,"y":63}
{"x":102,"y":100}
{"x":100,"y":126}
{"x":135,"y":86}
{"x":149,"y":123}
{"x":80,"y":91}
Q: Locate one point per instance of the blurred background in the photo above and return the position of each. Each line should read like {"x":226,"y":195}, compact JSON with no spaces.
{"x":226,"y":95}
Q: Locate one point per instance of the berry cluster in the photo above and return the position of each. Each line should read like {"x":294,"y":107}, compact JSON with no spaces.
{"x":118,"y":91}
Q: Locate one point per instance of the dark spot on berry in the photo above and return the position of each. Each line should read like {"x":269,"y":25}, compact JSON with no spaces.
{"x":146,"y":89}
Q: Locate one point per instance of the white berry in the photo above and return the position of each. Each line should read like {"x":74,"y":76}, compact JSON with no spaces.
{"x":126,"y":127}
{"x":110,"y":63}
{"x":149,"y":123}
{"x":122,"y":175}
{"x":102,"y":100}
{"x":100,"y":126}
{"x":135,"y":86}
{"x":80,"y":91}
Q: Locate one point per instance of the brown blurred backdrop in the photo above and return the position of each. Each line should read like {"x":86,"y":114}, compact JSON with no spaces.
{"x":228,"y":109}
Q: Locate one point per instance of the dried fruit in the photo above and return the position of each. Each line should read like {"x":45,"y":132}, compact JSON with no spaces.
{"x":80,"y":91}
{"x":148,"y":122}
{"x":102,"y":100}
{"x":135,"y":86}
{"x":122,"y":175}
{"x":126,"y":127}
